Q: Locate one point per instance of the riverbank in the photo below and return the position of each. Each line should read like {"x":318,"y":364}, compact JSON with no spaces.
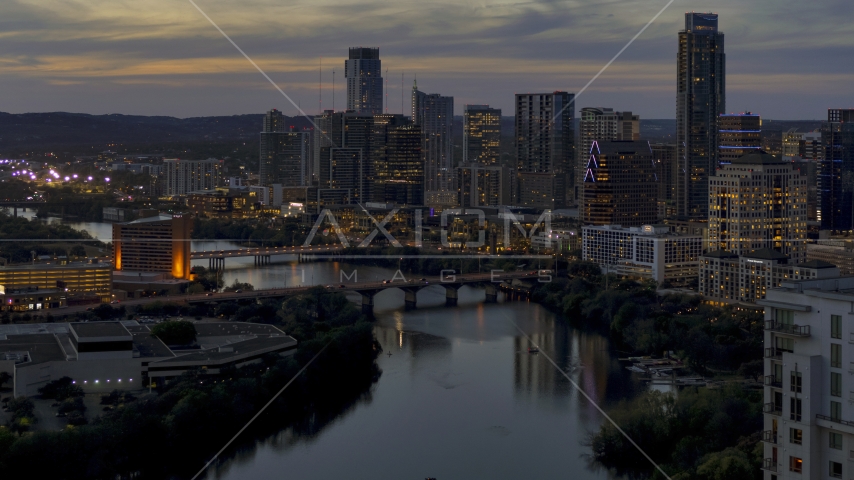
{"x":176,"y":431}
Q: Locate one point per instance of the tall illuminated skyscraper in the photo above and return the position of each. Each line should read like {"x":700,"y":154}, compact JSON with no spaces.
{"x":481,"y":135}
{"x":363,"y":71}
{"x":284,"y":153}
{"x":599,"y":124}
{"x":700,"y":100}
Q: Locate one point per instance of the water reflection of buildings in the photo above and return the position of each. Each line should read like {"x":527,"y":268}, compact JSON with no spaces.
{"x":585,"y":357}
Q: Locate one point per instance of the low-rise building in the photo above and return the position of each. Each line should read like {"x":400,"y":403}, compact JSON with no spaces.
{"x":88,"y":277}
{"x":649,"y":251}
{"x":837,"y":252}
{"x":106,"y":356}
{"x":808,"y":406}
{"x":31,"y":298}
{"x":238,"y":202}
{"x":729,"y":278}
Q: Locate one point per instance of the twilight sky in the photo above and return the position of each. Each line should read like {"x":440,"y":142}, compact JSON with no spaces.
{"x":786,"y":59}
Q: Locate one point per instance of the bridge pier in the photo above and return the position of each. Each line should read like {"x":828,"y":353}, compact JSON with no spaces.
{"x":261,"y":260}
{"x":451,"y":294}
{"x":216,"y":263}
{"x":491,"y":293}
{"x":410,"y":298}
{"x":368,"y":301}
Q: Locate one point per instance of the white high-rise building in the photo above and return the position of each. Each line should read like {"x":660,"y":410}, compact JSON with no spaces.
{"x":184,"y":176}
{"x":363,"y":71}
{"x":808,"y":431}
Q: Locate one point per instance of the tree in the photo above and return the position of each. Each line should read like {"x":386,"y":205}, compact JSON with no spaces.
{"x":60,"y":389}
{"x":175,"y":332}
{"x":4,"y":377}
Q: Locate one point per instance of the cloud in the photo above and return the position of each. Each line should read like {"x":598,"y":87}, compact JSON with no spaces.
{"x":473,"y":49}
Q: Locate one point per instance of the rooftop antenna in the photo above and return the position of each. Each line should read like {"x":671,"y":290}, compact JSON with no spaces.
{"x":386,"y":90}
{"x":401,"y":93}
{"x":320,"y":88}
{"x":333,"y":89}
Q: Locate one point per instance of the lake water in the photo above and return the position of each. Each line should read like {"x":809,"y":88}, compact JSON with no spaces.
{"x":459,"y":397}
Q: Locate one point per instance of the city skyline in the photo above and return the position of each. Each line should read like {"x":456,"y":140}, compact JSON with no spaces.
{"x":107,"y":59}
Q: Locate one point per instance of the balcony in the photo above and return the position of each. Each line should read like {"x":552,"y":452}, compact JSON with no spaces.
{"x":773,"y":353}
{"x":772,"y":409}
{"x":769,"y":464}
{"x":769,"y":436}
{"x":772,"y":381}
{"x":834,"y":420}
{"x":788,"y":329}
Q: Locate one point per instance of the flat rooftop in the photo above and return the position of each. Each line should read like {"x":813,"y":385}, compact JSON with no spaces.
{"x":56,"y":265}
{"x":99,"y":329}
{"x":41,"y":347}
{"x":248,"y":347}
{"x":220,"y":329}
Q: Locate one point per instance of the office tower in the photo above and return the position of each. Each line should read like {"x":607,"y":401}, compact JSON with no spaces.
{"x":284,"y":152}
{"x":806,"y":406}
{"x":483,"y":185}
{"x":700,"y":99}
{"x":738,"y":135}
{"x":399,"y":169}
{"x":836,"y":171}
{"x":340,"y":167}
{"x":758,"y":202}
{"x":602,"y":125}
{"x":160,"y":243}
{"x":434,"y":114}
{"x":545,"y":148}
{"x":793,"y":145}
{"x":664,"y":156}
{"x":185,"y":176}
{"x":363,"y":71}
{"x":757,"y":230}
{"x":620,"y":186}
{"x":481,"y":135}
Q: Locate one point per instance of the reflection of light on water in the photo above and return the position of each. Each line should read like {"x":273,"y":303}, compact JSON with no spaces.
{"x":398,"y":325}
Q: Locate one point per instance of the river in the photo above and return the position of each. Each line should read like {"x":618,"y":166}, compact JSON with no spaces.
{"x":459,"y":397}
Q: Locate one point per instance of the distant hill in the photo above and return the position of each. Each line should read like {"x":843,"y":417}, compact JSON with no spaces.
{"x":56,"y":129}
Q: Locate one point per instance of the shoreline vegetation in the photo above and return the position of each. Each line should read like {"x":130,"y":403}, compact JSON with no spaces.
{"x":177,"y":430}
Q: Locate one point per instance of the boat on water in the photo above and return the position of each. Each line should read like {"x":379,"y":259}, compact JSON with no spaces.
{"x":533,"y":350}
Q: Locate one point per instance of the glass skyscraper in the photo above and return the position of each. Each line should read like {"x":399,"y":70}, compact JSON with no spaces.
{"x":700,"y":100}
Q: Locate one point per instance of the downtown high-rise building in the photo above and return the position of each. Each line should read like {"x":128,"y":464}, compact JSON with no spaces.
{"x":363,"y":71}
{"x":620,"y":185}
{"x":398,"y":164}
{"x":836,"y":172}
{"x":481,"y":135}
{"x":285,"y":153}
{"x":545,"y":149}
{"x":602,"y":125}
{"x":700,"y":100}
{"x":738,"y":135}
{"x":343,"y":151}
{"x":434,"y":114}
{"x":483,"y":185}
{"x":184,"y":176}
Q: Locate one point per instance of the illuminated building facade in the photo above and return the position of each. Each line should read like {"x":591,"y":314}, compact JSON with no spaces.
{"x":481,"y":135}
{"x":648,"y":251}
{"x":184,"y":176}
{"x":756,"y":202}
{"x":343,"y":140}
{"x":757,"y":230}
{"x":363,"y":71}
{"x":664,"y":156}
{"x":620,"y":186}
{"x":483,"y":186}
{"x":700,"y":100}
{"x":73,"y":277}
{"x":738,"y":135}
{"x":226,"y":202}
{"x":836,"y":172}
{"x":399,"y":168}
{"x":545,"y":149}
{"x":160,"y":243}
